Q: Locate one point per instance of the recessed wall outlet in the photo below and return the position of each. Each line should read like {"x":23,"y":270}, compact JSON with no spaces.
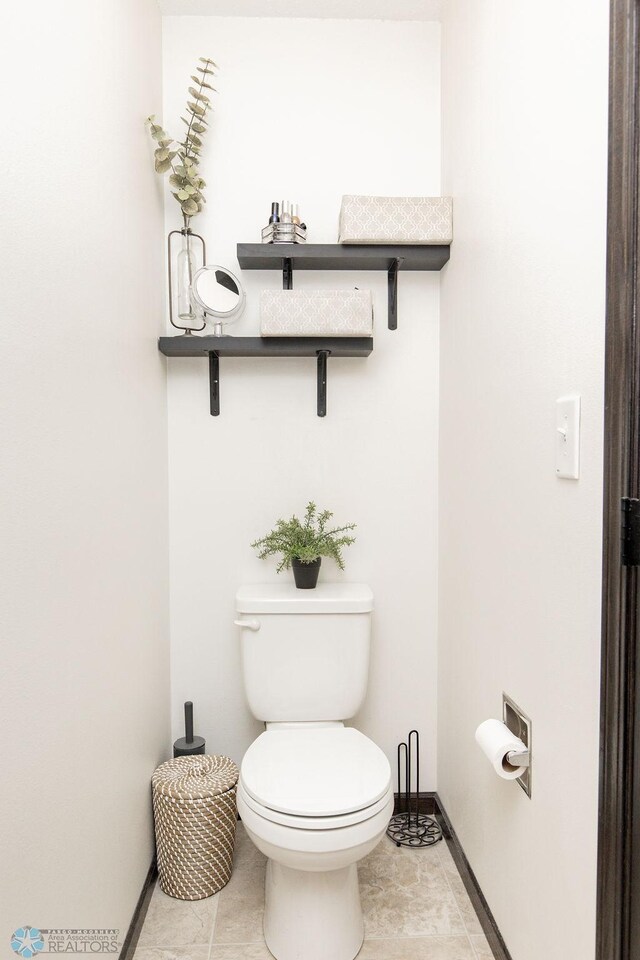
{"x":520,"y":725}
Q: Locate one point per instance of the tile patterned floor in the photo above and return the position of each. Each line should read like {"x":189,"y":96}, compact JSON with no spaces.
{"x":414,"y":902}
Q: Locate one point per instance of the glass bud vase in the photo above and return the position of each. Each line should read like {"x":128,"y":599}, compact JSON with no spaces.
{"x":186,"y":253}
{"x":185,"y":270}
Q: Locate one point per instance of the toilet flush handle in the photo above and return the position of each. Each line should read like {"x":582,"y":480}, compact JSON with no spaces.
{"x":248,"y":624}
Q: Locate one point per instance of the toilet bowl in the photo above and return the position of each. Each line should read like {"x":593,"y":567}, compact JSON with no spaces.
{"x":315,"y":799}
{"x":314,"y":796}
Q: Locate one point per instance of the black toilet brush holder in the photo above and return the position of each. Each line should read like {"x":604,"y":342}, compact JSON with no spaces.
{"x":188,"y":745}
{"x":410,"y":828}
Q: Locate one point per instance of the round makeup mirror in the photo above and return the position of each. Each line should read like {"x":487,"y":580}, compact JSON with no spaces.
{"x":220,"y":294}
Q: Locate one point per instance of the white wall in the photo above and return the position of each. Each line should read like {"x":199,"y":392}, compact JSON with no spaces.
{"x":361,"y":115}
{"x":84,"y":515}
{"x":525,"y":133}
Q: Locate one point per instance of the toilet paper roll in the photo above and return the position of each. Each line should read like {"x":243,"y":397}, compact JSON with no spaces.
{"x":496,"y":740}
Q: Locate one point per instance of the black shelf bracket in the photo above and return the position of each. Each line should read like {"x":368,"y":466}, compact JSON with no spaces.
{"x":213,"y":348}
{"x":393,"y":293}
{"x":287,"y":274}
{"x":345,"y":256}
{"x":214,"y":383}
{"x":322,"y":382}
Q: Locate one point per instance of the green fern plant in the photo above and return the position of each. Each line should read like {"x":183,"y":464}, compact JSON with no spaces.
{"x":306,"y":540}
{"x":182,"y":157}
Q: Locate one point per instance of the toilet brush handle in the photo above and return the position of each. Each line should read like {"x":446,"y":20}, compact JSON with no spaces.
{"x":188,"y":721}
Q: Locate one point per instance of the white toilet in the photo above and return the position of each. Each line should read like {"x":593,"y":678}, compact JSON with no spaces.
{"x":314,"y":796}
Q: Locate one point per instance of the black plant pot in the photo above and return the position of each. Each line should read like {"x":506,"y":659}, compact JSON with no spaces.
{"x":306,"y":574}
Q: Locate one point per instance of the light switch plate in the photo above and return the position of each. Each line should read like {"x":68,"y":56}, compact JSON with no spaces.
{"x":568,"y":438}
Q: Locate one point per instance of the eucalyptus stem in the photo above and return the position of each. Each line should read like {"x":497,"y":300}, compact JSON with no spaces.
{"x":183,"y":161}
{"x":193,"y":117}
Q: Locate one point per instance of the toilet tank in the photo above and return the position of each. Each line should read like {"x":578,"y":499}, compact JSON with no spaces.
{"x":305,"y":653}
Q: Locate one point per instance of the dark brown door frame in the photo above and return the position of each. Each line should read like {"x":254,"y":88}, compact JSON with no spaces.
{"x":618,"y":907}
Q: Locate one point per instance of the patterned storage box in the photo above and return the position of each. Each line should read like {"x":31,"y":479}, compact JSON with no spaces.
{"x":316,"y":313}
{"x":396,"y":220}
{"x":194,"y":809}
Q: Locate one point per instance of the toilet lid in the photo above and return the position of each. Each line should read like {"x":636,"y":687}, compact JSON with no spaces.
{"x":321,"y":772}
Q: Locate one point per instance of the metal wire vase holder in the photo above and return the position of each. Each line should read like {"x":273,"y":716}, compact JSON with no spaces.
{"x":412,"y":828}
{"x":188,"y":237}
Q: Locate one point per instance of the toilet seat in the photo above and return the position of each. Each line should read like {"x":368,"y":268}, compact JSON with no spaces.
{"x":315,"y":777}
{"x":314,"y":823}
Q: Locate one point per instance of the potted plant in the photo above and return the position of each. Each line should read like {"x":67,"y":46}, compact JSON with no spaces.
{"x":303,"y":544}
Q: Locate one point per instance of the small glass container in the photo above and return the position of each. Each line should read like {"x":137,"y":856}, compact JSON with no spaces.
{"x":184,"y":259}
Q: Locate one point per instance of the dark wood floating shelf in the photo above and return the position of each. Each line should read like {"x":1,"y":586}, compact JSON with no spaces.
{"x":342,"y":256}
{"x":345,"y":256}
{"x":194,"y":346}
{"x":215,"y":347}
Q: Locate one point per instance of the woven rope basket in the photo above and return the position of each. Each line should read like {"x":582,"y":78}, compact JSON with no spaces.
{"x":194,"y":807}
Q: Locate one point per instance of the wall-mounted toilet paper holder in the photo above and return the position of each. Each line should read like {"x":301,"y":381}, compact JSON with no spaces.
{"x":520,"y":725}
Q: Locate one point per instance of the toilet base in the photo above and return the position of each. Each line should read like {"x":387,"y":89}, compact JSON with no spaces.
{"x":312,"y":915}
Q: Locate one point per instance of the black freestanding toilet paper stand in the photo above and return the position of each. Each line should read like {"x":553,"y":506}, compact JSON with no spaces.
{"x":188,"y":745}
{"x":410,"y":828}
